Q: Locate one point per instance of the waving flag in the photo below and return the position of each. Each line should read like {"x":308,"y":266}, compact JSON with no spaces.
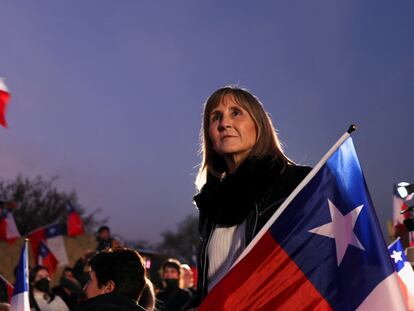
{"x":8,"y":285}
{"x":20,"y":299}
{"x":8,"y":228}
{"x":4,"y":98}
{"x":322,"y":250}
{"x":404,"y":270}
{"x":53,"y":236}
{"x":46,"y":258}
{"x":74,"y":222}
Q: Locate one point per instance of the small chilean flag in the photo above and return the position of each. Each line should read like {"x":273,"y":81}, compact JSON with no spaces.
{"x":404,"y":271}
{"x":46,"y":258}
{"x":53,"y":236}
{"x":8,"y":285}
{"x":20,"y":299}
{"x":8,"y":228}
{"x":74,"y":223}
{"x":4,"y":98}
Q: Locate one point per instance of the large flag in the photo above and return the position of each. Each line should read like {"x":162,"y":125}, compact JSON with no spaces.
{"x":8,"y":228}
{"x":53,"y":236}
{"x":4,"y":98}
{"x":322,"y":250}
{"x":20,"y":299}
{"x":47,"y":258}
{"x":8,"y":285}
{"x":74,"y":223}
{"x":404,"y":270}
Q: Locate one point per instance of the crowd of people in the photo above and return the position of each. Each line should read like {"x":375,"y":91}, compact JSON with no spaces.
{"x":243,"y":178}
{"x":111,"y":277}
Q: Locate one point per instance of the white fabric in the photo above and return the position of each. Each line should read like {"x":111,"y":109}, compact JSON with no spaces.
{"x":385,"y":296}
{"x":20,"y":302}
{"x":3,"y":86}
{"x":57,"y":304}
{"x":12,"y":231}
{"x":57,"y":247}
{"x":225,"y":246}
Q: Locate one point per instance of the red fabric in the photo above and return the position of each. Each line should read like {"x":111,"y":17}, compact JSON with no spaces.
{"x":266,"y":279}
{"x":75,"y":224}
{"x":4,"y":98}
{"x":9,"y":287}
{"x":35,"y":237}
{"x":49,"y":261}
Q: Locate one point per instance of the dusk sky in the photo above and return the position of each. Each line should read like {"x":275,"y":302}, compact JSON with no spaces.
{"x":108,"y":94}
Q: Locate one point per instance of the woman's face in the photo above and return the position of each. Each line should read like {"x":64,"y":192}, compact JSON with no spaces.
{"x":232,"y":130}
{"x":41,"y":274}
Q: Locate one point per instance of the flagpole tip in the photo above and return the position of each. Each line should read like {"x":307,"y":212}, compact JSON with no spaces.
{"x":352,"y":128}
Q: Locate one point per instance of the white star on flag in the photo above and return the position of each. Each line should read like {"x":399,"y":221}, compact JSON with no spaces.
{"x":397,"y":256}
{"x":341,"y":229}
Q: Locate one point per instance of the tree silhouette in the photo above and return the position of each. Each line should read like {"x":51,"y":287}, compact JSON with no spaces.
{"x":38,"y":202}
{"x":183,"y":243}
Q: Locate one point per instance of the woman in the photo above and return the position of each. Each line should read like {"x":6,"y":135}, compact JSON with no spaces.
{"x":41,"y":299}
{"x":244,"y":177}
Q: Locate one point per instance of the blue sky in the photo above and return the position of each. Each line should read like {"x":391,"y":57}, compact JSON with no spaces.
{"x":108,"y":94}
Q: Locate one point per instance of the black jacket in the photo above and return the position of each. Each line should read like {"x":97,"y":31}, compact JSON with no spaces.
{"x":109,"y":302}
{"x":255,"y":190}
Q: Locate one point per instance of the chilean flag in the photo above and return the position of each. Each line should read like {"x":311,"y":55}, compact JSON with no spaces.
{"x":4,"y":98}
{"x":404,"y":270}
{"x":8,"y":228}
{"x":46,"y":258}
{"x":20,"y":299}
{"x":8,"y":285}
{"x":322,"y":250}
{"x":74,"y":223}
{"x":53,"y":236}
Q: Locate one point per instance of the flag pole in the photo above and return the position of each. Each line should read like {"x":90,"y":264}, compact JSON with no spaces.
{"x":295,"y":192}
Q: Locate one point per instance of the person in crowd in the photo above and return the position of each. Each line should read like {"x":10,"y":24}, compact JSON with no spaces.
{"x":3,"y":291}
{"x":117,"y":279}
{"x":243,"y":178}
{"x":41,"y":298}
{"x":104,"y":239}
{"x":172,"y":297}
{"x":80,"y":269}
{"x":69,"y":289}
{"x":4,"y":306}
{"x":187,"y":279}
{"x":147,"y":299}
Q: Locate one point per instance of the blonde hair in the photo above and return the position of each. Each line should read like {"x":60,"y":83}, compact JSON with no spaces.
{"x":267,"y":141}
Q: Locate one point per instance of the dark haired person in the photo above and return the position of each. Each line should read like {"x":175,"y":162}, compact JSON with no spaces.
{"x":117,"y":279}
{"x":104,"y":239}
{"x":69,"y":289}
{"x":41,"y":298}
{"x":243,"y":178}
{"x":172,"y":297}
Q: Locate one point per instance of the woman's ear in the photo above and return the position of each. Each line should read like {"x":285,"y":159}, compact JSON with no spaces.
{"x":109,"y":287}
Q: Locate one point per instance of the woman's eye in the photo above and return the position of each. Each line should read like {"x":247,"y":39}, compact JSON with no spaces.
{"x":214,"y":117}
{"x":236,"y":112}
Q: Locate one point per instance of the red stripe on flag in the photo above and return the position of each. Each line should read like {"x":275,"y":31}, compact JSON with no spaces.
{"x":265,"y":279}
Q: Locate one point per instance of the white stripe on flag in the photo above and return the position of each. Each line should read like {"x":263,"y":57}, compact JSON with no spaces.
{"x":378,"y":299}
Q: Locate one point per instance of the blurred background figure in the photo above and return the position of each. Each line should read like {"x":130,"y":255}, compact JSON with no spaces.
{"x":104,"y":239}
{"x":81,"y":268}
{"x":41,"y":298}
{"x":172,"y":297}
{"x":69,"y":289}
{"x":147,"y":299}
{"x":187,"y":279}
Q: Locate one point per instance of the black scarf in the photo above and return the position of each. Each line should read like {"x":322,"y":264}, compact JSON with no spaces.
{"x":228,"y":202}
